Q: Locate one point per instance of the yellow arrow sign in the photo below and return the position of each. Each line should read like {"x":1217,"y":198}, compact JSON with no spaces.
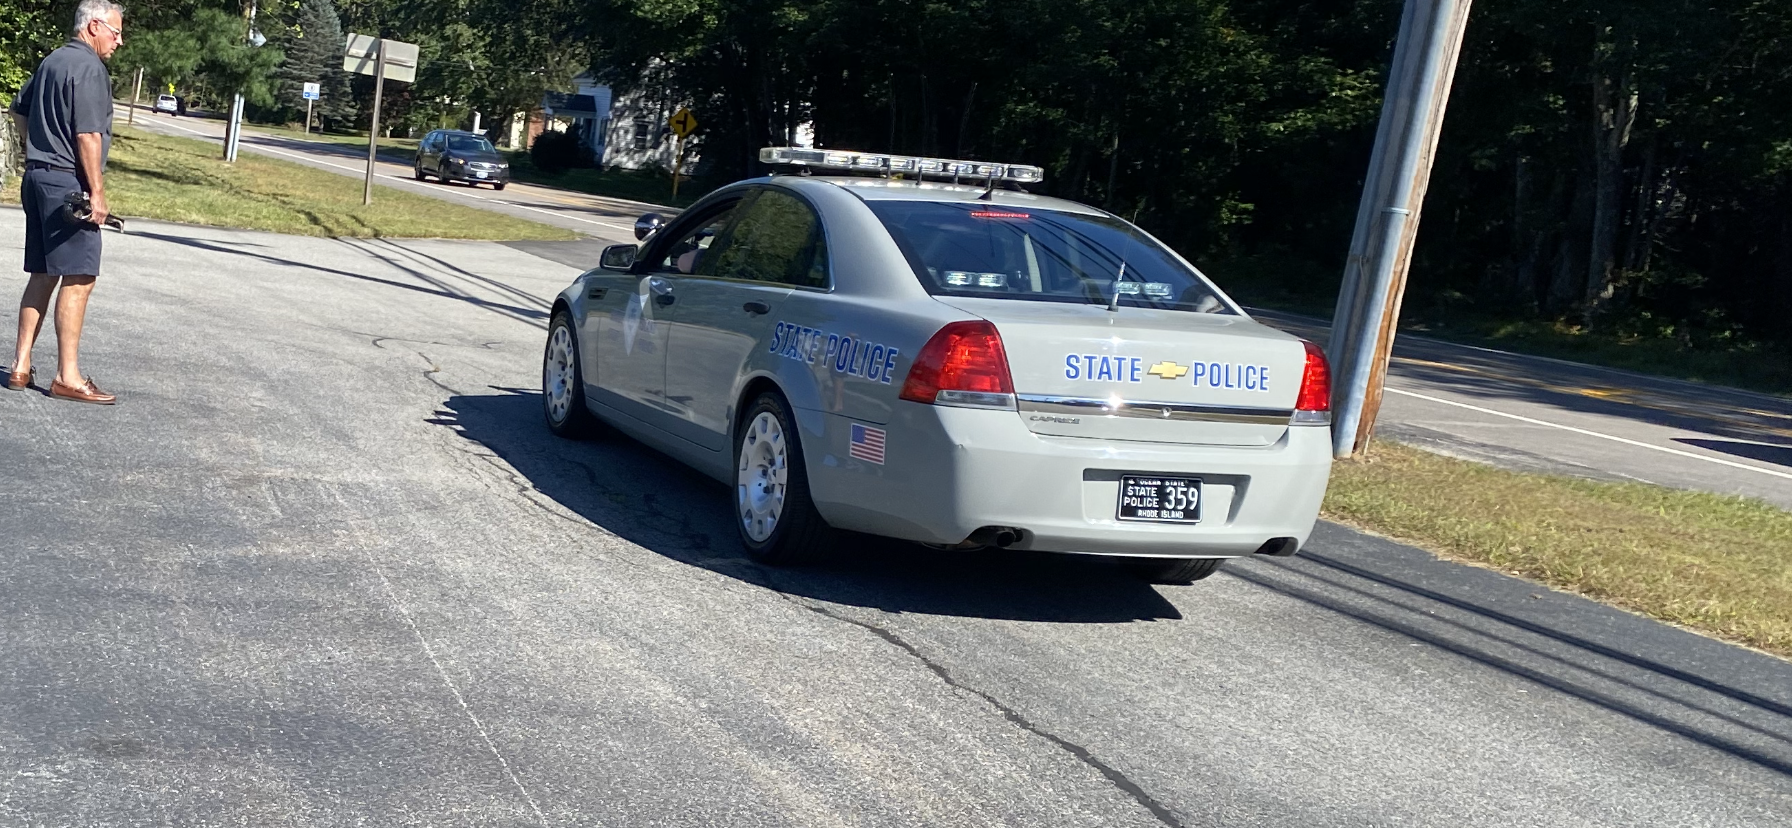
{"x":683,"y":123}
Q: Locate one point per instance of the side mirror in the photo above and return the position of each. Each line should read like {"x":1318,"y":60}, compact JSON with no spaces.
{"x":648,"y":224}
{"x":617,"y":257}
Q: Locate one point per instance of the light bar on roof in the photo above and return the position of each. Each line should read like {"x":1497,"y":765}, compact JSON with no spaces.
{"x":898,"y":164}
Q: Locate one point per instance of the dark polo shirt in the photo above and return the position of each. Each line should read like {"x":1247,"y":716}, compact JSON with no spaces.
{"x":70,"y":94}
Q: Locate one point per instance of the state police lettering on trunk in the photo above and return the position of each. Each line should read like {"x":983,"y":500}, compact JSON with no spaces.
{"x":1103,"y":368}
{"x":1233,"y":375}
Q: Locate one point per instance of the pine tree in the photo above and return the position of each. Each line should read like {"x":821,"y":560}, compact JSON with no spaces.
{"x":314,"y":55}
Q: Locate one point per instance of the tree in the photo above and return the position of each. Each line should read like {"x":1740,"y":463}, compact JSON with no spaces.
{"x":313,"y":46}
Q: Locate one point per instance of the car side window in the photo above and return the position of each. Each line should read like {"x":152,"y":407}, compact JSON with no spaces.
{"x":693,"y":252}
{"x":778,"y":239}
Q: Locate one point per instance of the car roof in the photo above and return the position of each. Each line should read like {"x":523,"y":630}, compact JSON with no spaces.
{"x":884,"y":189}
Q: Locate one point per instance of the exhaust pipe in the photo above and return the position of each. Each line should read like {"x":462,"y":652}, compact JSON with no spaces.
{"x":1000,"y":537}
{"x":1279,"y":547}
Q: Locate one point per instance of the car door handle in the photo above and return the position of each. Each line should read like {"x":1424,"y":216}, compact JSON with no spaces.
{"x":757,"y":308}
{"x":664,"y":299}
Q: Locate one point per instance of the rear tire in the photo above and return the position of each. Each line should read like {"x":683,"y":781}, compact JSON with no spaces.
{"x":563,"y":382}
{"x":1173,"y":570}
{"x":417,"y":172}
{"x":776,"y":517}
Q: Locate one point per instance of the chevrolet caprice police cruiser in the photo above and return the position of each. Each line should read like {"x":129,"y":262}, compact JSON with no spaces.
{"x":955,"y":364}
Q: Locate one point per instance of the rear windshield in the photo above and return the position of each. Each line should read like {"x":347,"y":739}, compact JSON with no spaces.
{"x":469,"y":143}
{"x":995,"y":252}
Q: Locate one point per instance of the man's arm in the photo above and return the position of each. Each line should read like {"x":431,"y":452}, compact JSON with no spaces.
{"x":93,"y":165}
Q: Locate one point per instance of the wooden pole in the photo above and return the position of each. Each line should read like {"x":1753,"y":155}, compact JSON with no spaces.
{"x":373,"y":131}
{"x":1368,"y":309}
{"x":136,"y":94}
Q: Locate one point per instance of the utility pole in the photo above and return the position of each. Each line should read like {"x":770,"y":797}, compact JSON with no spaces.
{"x":136,"y":94}
{"x":1387,"y":219}
{"x":233,"y":131}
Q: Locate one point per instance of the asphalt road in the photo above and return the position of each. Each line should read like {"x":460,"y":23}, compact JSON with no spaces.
{"x":1536,"y":414}
{"x":607,"y":219}
{"x":323,"y":566}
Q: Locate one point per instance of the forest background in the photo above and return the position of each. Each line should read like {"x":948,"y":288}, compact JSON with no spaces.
{"x":1611,"y":170}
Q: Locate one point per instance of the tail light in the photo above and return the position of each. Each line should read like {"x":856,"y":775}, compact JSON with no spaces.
{"x":1314,"y":405}
{"x":963,"y":365}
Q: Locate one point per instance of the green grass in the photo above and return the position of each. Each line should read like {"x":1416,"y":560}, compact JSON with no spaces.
{"x":1721,"y":565}
{"x":182,"y":180}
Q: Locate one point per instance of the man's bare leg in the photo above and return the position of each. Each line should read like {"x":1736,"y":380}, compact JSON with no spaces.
{"x":34,"y":305}
{"x":71,"y":311}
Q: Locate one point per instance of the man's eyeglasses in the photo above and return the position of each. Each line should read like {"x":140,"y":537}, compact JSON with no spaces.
{"x":115,"y":30}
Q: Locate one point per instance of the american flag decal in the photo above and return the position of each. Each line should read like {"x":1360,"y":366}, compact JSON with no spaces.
{"x":867,"y":444}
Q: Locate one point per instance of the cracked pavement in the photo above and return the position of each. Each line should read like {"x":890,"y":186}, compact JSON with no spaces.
{"x":323,"y":566}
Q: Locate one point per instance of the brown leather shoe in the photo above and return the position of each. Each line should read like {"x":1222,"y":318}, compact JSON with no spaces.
{"x":87,"y":393}
{"x":21,"y":379}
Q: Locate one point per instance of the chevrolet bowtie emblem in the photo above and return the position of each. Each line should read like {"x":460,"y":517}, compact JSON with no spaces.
{"x":1167,"y":370}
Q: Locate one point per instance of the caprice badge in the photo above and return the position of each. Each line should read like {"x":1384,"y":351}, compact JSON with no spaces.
{"x":1053,"y":418}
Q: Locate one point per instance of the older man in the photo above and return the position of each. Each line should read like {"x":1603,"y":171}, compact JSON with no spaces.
{"x":65,"y":114}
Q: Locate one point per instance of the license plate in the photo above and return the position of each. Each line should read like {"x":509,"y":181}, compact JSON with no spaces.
{"x":1160,"y":499}
{"x":480,"y":174}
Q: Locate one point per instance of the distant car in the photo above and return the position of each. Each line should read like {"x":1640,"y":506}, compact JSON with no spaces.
{"x":963,"y":366}
{"x":168,"y":104}
{"x":453,"y":155}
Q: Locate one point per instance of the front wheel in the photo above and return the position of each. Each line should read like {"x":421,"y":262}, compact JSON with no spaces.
{"x":1174,"y":570}
{"x":498,"y":186}
{"x":563,"y":383}
{"x":776,"y":516}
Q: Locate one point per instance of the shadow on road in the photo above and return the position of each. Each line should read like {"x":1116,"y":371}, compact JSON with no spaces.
{"x":1778,"y":455}
{"x":1719,"y":696}
{"x":658,"y":503}
{"x":1707,"y":692}
{"x":436,"y":286}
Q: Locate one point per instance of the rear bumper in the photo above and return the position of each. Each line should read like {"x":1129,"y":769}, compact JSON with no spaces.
{"x":950,"y":472}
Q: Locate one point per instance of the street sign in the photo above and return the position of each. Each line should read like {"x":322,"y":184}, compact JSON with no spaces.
{"x":312,"y":91}
{"x":363,"y":54}
{"x":384,"y":60}
{"x":683,"y":123}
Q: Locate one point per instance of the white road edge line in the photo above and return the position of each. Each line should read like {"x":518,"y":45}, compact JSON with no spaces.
{"x":1612,"y":438}
{"x":303,"y":157}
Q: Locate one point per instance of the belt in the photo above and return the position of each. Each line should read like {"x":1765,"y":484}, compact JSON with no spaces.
{"x":40,"y":165}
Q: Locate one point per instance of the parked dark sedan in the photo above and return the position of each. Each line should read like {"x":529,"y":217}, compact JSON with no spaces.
{"x":453,"y":155}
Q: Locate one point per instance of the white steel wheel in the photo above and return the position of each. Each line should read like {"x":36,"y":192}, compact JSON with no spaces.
{"x":764,"y":475}
{"x":776,"y":517}
{"x":562,"y":387}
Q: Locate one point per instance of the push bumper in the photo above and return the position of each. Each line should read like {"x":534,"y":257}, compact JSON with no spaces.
{"x":950,"y":472}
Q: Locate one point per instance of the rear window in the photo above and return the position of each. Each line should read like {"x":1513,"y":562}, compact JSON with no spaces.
{"x":470,"y":143}
{"x":995,"y":252}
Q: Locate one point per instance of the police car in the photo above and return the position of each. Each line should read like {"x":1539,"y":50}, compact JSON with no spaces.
{"x":919,"y":349}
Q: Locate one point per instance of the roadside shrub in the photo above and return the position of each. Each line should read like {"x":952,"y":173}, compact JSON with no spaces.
{"x":557,"y":152}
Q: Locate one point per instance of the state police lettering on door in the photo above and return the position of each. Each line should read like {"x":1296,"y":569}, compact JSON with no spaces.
{"x":848,"y":355}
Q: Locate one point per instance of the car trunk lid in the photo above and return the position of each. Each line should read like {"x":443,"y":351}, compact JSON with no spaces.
{"x":1144,"y":374}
